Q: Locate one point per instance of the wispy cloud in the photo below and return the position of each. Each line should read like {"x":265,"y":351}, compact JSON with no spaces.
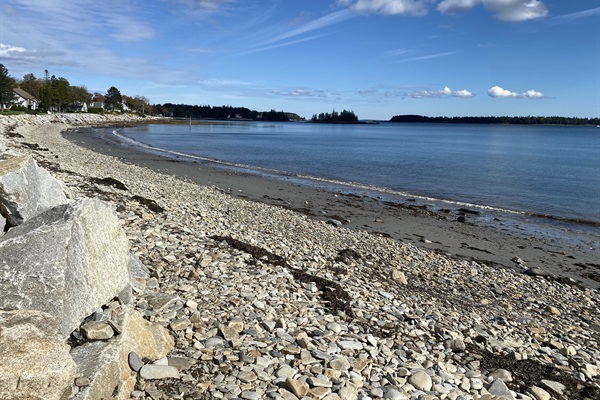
{"x":409,"y":92}
{"x":93,"y":36}
{"x":445,"y":92}
{"x":498,"y":92}
{"x":316,"y":24}
{"x":387,"y":7}
{"x":429,"y":56}
{"x":204,"y":5}
{"x":281,"y":44}
{"x":304,"y":92}
{"x":578,"y":15}
{"x":397,"y":52}
{"x":225,"y":83}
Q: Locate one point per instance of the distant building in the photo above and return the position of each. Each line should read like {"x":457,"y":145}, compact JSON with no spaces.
{"x":24,"y":99}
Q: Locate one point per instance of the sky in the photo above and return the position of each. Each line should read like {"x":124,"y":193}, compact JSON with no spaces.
{"x":378,"y":58}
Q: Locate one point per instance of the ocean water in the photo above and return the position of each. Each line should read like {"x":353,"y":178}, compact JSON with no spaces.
{"x":544,"y":171}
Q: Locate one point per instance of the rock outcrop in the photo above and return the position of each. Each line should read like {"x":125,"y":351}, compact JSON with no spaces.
{"x":76,"y":260}
{"x":60,"y":262}
{"x":26,"y":190}
{"x":34,"y":359}
{"x":106,"y":364}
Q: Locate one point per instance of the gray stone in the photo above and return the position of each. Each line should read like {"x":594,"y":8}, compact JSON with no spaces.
{"x":160,"y":301}
{"x":34,"y":358}
{"x":135,"y":362}
{"x":97,"y":330}
{"x":76,"y":261}
{"x":498,"y":388}
{"x":152,"y":372}
{"x":181,"y":363}
{"x":27,"y":190}
{"x":503,"y":374}
{"x":180,"y":324}
{"x":456,"y":345}
{"x":213,"y":342}
{"x":399,"y":277}
{"x":138,"y":272}
{"x":421,"y":380}
{"x":340,"y":364}
{"x":109,"y":363}
{"x":83,"y":381}
{"x":334,"y":222}
{"x":250,"y":395}
{"x":394,"y":394}
{"x":247,"y":376}
{"x":228,"y":332}
{"x":350,"y":345}
{"x":539,"y":394}
{"x":556,"y":387}
{"x":319,"y":381}
{"x":298,"y":388}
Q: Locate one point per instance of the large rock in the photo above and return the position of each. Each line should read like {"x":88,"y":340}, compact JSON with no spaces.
{"x":27,"y":190}
{"x":34,"y":358}
{"x":106,"y":363}
{"x":67,"y":261}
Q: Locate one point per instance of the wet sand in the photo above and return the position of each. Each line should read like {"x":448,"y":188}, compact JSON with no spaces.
{"x":553,"y":250}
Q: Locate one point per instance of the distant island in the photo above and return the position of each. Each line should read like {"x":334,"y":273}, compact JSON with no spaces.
{"x":529,"y":120}
{"x":344,"y":117}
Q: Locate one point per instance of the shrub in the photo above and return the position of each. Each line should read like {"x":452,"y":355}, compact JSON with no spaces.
{"x":95,"y":110}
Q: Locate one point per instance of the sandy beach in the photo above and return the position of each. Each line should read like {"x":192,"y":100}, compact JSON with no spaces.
{"x":267,"y":299}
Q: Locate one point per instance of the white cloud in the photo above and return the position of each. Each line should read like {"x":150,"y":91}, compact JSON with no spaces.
{"x":388,"y":7}
{"x":506,"y":10}
{"x":445,"y":92}
{"x":498,"y":92}
{"x":7,"y":50}
{"x":463,"y":93}
{"x":517,"y":10}
{"x":456,"y":6}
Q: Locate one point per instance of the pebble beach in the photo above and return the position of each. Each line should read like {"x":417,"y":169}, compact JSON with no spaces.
{"x":267,"y":303}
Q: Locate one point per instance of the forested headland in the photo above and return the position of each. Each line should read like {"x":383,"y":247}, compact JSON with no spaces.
{"x":529,"y":120}
{"x":220,"y":112}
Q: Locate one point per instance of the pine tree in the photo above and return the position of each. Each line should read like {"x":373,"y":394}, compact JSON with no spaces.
{"x":114,"y":99}
{"x":7,"y":85}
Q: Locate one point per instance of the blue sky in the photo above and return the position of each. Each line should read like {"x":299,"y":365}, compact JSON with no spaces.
{"x":377,"y":57}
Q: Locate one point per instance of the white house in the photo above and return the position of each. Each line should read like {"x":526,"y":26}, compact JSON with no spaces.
{"x":24,"y":99}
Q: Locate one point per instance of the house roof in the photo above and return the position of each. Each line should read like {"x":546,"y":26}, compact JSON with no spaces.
{"x":24,"y":94}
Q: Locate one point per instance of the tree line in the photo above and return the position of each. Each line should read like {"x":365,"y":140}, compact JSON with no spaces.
{"x":526,"y":120}
{"x":344,"y":117}
{"x":220,"y":112}
{"x":57,"y":94}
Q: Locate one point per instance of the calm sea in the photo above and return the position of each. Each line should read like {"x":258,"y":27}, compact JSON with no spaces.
{"x":551,"y":171}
